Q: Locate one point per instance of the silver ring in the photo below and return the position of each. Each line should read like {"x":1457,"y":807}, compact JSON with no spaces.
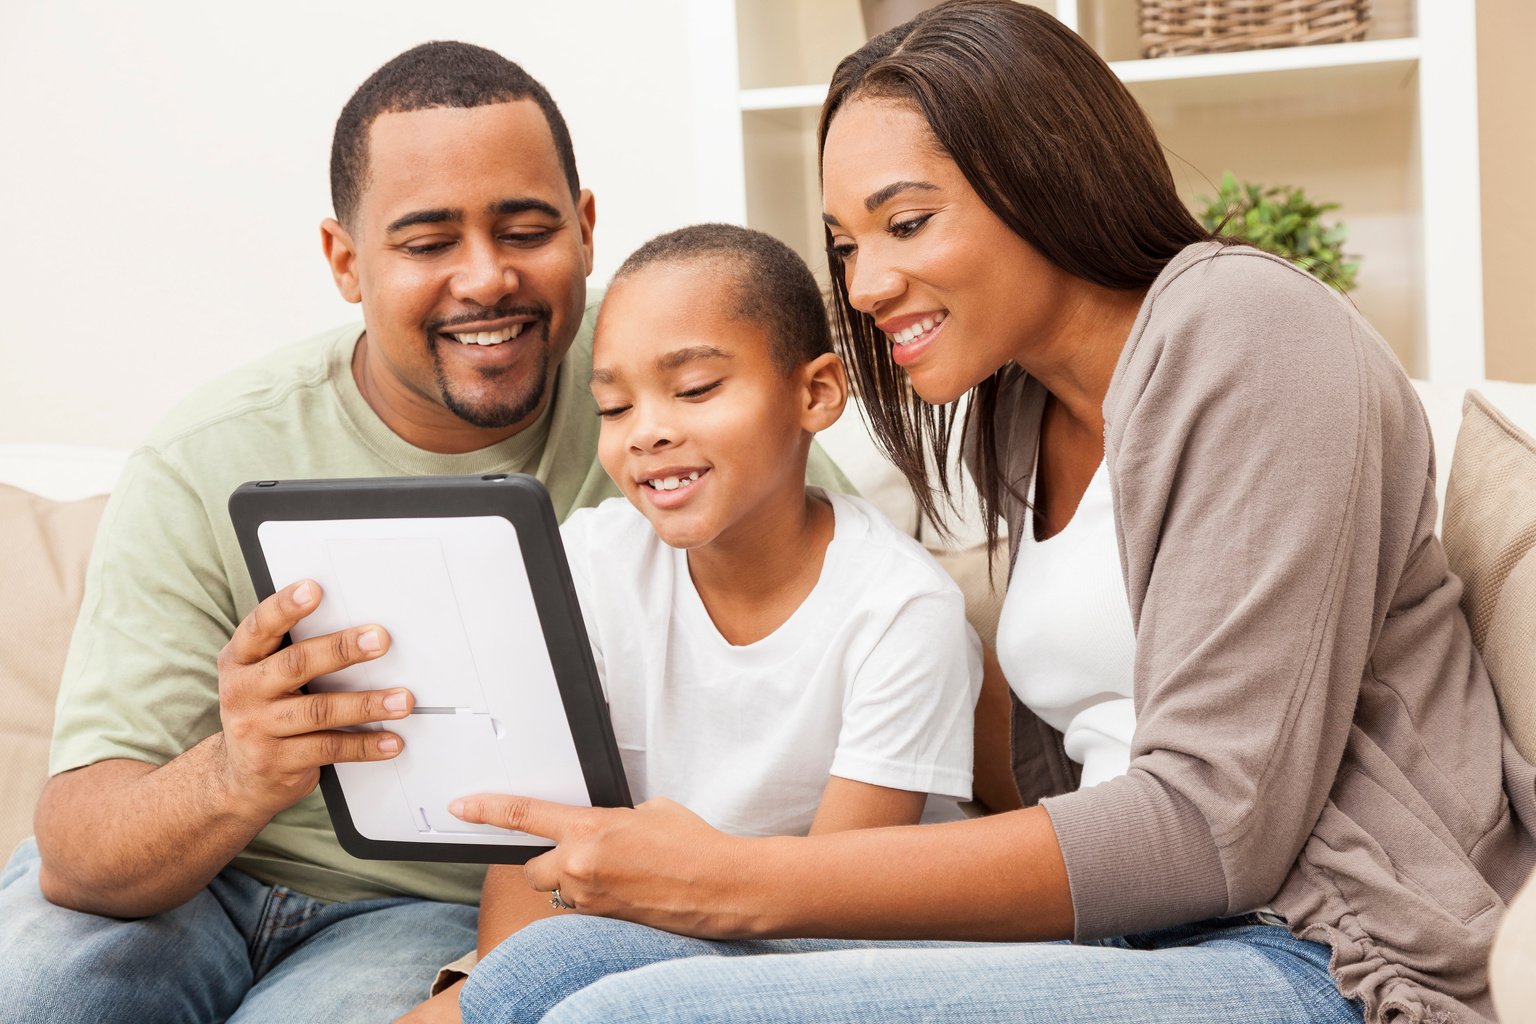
{"x":558,"y":903}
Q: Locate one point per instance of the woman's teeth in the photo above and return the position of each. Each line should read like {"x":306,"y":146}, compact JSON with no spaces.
{"x":488,"y":337}
{"x":917,"y":330}
{"x":672,"y":483}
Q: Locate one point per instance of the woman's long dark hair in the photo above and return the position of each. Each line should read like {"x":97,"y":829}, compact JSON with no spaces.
{"x":1056,"y":146}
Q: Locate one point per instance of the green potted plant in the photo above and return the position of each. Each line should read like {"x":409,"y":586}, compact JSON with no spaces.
{"x":1282,"y":220}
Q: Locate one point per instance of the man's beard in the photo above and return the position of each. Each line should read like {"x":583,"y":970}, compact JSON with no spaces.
{"x":498,"y":408}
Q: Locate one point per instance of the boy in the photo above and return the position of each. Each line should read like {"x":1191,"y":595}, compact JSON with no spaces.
{"x":777,"y":658}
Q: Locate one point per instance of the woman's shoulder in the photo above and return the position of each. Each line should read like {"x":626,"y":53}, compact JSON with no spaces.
{"x":1219,"y":283}
{"x":1219,"y":314}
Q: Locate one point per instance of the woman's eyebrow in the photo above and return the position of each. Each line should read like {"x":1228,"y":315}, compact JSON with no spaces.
{"x":881,"y":196}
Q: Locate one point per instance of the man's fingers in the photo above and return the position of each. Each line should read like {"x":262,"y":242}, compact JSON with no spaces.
{"x":261,"y":632}
{"x":519,"y":813}
{"x":298,"y":664}
{"x":315,"y":712}
{"x":318,"y":748}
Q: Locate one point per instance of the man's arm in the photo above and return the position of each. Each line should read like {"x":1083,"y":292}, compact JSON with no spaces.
{"x":127,"y":839}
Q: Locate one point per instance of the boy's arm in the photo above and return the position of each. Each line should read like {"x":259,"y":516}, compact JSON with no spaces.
{"x":846,"y":804}
{"x":993,"y":785}
{"x":507,"y":905}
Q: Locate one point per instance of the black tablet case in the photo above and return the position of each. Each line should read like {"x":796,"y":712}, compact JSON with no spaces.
{"x":521,"y":501}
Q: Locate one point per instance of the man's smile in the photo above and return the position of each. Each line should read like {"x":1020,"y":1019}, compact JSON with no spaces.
{"x":495,"y":337}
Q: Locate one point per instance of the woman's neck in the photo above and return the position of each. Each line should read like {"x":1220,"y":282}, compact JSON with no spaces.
{"x":753,"y":580}
{"x":1077,"y":359}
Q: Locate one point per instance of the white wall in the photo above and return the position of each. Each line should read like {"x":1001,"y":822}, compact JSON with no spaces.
{"x":163,"y":172}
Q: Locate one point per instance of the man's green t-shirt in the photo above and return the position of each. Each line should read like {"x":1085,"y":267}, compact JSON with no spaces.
{"x":167,"y":584}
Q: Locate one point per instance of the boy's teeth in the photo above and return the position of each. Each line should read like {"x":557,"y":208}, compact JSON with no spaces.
{"x":909,"y":334}
{"x":488,"y":337}
{"x":672,"y":483}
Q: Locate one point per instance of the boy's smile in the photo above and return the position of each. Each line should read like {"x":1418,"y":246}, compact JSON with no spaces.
{"x":671,"y":487}
{"x":701,"y":429}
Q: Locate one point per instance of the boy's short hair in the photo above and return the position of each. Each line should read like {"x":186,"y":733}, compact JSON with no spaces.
{"x":770,"y":284}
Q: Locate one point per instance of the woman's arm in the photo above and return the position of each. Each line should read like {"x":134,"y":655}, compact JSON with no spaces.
{"x":996,"y":878}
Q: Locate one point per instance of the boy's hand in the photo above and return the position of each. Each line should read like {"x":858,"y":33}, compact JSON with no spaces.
{"x":658,"y":864}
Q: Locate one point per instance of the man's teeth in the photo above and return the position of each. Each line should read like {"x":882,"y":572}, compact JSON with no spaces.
{"x":488,"y":337}
{"x":672,"y":483}
{"x":918,"y":329}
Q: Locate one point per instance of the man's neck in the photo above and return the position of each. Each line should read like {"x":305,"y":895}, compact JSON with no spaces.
{"x":754,"y":580}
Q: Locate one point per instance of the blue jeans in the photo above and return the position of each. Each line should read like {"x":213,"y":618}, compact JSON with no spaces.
{"x":237,"y":951}
{"x":573,"y":969}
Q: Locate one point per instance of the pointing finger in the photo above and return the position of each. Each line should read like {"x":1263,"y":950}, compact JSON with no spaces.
{"x":518,"y":813}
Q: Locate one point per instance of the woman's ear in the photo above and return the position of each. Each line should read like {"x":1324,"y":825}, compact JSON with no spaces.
{"x":824,"y":392}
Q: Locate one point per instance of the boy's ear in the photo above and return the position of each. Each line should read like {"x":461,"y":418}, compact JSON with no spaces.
{"x":824,"y":392}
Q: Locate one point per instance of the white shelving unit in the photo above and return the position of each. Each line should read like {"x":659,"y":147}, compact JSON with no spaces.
{"x":1386,"y":127}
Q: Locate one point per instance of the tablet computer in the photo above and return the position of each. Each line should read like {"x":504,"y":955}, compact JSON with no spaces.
{"x":469,"y":577}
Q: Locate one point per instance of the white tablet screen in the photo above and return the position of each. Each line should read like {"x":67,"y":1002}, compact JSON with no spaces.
{"x":465,"y":639}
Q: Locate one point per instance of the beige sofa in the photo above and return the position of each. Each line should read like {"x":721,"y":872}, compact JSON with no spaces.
{"x":47,"y":524}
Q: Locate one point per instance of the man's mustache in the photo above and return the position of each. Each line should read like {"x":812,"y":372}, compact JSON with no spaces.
{"x":541,"y":312}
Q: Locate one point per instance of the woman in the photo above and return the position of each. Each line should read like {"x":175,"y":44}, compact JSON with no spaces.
{"x":1299,"y":811}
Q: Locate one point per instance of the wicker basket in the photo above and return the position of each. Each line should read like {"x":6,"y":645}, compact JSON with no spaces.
{"x":1170,"y":27}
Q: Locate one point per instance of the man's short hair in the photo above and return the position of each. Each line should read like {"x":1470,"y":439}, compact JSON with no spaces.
{"x":769,"y":284}
{"x":439,"y":74}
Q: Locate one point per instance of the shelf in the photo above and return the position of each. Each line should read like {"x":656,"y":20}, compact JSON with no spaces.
{"x":1365,"y":62}
{"x":784,"y":97}
{"x":1284,"y":59}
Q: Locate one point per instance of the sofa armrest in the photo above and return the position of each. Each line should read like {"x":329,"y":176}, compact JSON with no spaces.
{"x":44,"y":546}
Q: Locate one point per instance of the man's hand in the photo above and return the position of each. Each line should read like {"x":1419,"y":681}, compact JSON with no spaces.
{"x":275,"y":738}
{"x":129,"y":839}
{"x":659,"y":864}
{"x":442,"y":1008}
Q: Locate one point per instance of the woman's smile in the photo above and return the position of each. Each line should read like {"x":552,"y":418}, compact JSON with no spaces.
{"x":910,"y":341}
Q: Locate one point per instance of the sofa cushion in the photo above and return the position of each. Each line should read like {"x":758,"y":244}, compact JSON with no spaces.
{"x":44,"y":546}
{"x":1490,"y":540}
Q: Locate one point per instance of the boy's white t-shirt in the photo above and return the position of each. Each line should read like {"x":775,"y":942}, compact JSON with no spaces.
{"x":874,"y":677}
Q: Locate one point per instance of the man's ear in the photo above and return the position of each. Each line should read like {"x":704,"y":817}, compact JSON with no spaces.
{"x":341,"y":254}
{"x":586,"y":217}
{"x":824,"y":392}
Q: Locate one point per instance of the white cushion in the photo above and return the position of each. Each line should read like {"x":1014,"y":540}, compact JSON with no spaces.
{"x":62,"y":472}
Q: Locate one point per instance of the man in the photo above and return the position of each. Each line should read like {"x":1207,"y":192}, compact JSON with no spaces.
{"x":184,"y":867}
